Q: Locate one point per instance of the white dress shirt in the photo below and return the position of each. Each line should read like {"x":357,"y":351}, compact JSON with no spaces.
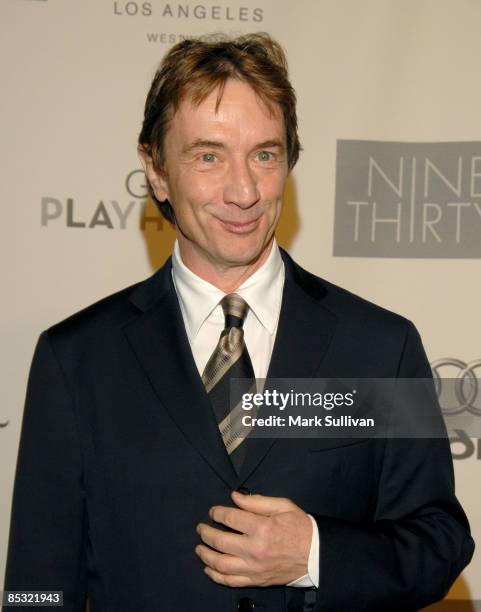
{"x":204,"y":322}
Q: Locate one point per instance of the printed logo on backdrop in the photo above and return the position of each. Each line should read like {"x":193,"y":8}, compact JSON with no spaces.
{"x":216,"y":15}
{"x":461,"y":398}
{"x":187,"y":10}
{"x":110,"y":213}
{"x":397,"y":199}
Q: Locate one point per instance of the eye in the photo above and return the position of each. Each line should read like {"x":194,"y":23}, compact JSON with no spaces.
{"x":265,"y":156}
{"x":208,"y":157}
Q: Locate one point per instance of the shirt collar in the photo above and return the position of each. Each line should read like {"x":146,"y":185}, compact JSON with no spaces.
{"x":198,"y":298}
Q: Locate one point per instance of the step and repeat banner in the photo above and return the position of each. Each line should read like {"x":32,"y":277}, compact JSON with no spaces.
{"x":385,"y":200}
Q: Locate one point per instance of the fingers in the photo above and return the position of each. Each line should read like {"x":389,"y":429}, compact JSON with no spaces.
{"x":262,"y":504}
{"x":220,"y":562}
{"x":222,"y":541}
{"x":240,"y":520}
{"x":226,"y":580}
{"x":271,"y":546}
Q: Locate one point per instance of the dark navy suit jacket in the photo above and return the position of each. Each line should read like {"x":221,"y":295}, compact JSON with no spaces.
{"x":120,"y":457}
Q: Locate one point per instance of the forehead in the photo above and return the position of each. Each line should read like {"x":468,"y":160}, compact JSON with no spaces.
{"x":240,"y":111}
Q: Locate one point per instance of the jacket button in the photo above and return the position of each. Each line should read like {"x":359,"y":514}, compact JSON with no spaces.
{"x":245,"y":604}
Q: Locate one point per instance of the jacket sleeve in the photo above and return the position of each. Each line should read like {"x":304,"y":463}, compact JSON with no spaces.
{"x":47,"y":541}
{"x":419,"y":540}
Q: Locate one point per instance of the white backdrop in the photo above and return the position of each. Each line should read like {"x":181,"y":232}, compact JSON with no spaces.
{"x":74,"y":79}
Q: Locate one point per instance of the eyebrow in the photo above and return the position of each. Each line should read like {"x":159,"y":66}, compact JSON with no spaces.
{"x":270,"y":144}
{"x":201,"y":143}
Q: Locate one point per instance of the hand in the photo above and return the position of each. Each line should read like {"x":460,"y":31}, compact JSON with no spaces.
{"x":271,"y":548}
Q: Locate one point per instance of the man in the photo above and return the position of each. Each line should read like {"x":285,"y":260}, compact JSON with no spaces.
{"x":132,"y":489}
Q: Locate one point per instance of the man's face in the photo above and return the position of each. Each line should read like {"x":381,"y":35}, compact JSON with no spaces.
{"x":224,"y":174}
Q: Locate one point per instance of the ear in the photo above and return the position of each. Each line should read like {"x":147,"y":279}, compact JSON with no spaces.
{"x":156,"y":179}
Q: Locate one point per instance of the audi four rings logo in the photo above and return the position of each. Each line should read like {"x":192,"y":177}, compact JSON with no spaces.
{"x":466,"y":385}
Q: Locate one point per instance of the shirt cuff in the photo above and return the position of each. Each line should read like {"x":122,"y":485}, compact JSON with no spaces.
{"x":311,"y":579}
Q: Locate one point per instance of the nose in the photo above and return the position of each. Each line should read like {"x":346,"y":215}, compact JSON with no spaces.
{"x":241,"y":185}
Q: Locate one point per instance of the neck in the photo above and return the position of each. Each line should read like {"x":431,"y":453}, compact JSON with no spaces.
{"x":227,"y":278}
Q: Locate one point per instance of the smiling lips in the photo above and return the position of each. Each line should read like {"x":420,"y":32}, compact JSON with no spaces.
{"x":240,"y":228}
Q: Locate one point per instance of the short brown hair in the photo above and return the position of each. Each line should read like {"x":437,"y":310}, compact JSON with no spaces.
{"x":197,"y":66}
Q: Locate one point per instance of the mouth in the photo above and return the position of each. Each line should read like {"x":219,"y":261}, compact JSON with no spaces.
{"x":240,"y":227}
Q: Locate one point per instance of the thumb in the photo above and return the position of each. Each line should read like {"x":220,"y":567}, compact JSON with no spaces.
{"x":262,"y":504}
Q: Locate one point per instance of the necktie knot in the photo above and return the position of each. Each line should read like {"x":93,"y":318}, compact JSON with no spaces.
{"x":235,"y":310}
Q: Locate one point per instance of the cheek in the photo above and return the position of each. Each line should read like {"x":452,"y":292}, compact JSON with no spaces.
{"x":272,"y":186}
{"x":192,"y":192}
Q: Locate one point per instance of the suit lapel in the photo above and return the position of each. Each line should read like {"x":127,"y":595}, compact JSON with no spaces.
{"x":160,"y":343}
{"x":303,"y":335}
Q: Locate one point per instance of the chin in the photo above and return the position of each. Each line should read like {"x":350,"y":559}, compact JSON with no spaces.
{"x":240,"y":252}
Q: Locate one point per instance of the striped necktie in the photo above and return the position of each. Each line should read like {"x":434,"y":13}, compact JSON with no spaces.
{"x":230,"y":359}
